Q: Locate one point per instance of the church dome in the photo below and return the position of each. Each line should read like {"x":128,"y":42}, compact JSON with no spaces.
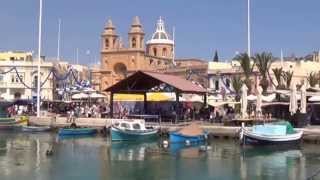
{"x":160,"y":36}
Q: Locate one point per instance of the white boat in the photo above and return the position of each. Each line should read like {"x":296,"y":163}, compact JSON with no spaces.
{"x":279,"y":133}
{"x":132,"y":130}
{"x":35,"y":128}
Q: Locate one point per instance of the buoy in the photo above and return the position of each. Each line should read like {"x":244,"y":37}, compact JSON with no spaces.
{"x":165,"y":143}
{"x":187,"y":142}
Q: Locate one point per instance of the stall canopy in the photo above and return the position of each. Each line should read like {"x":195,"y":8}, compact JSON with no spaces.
{"x":142,"y":82}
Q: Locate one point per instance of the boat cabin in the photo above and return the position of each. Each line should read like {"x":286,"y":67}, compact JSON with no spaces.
{"x":129,"y":124}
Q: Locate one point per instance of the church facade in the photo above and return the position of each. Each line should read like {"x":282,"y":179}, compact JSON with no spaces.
{"x":118,"y":61}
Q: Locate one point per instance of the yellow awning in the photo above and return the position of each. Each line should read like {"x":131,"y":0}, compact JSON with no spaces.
{"x":138,"y":97}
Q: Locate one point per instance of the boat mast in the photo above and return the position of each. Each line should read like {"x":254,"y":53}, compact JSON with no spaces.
{"x":39,"y":59}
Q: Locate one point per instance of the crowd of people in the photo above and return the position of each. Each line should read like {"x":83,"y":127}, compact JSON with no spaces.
{"x":169,"y":112}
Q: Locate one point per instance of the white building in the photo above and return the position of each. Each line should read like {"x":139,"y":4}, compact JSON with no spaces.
{"x":11,"y":86}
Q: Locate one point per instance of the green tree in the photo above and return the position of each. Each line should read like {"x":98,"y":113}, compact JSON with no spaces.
{"x":237,"y":83}
{"x":287,"y":76}
{"x":313,"y":79}
{"x":216,"y":57}
{"x":246,"y":67}
{"x":278,"y":72}
{"x":263,"y":62}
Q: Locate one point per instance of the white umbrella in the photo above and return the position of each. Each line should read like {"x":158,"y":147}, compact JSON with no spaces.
{"x":251,"y":97}
{"x":259,"y":100}
{"x":269,"y":98}
{"x":303,"y":99}
{"x":293,"y":99}
{"x":89,"y":90}
{"x":80,"y":96}
{"x":97,"y":95}
{"x":244,"y":101}
{"x":314,"y":98}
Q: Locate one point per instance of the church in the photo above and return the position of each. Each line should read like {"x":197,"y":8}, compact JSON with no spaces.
{"x":156,"y":54}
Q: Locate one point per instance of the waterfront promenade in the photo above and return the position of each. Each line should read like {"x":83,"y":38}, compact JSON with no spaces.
{"x":215,"y":130}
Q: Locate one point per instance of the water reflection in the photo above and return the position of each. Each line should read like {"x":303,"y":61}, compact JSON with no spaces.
{"x":23,"y":156}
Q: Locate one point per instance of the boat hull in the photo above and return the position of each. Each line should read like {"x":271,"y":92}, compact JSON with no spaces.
{"x":35,"y":128}
{"x":76,"y":131}
{"x":121,"y":135}
{"x":11,"y":124}
{"x":255,"y":139}
{"x":175,"y":137}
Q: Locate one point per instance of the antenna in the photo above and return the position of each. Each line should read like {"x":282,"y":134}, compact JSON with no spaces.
{"x":173,"y":47}
{"x":59,"y":26}
{"x":249,"y":31}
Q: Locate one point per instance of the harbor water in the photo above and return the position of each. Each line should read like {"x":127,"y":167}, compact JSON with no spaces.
{"x":23,"y":156}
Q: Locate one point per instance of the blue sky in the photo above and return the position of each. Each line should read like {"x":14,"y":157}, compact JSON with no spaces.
{"x":201,"y":26}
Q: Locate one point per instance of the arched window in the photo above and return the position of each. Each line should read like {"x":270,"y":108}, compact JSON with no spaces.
{"x":228,"y":83}
{"x":107,"y":43}
{"x":17,"y":95}
{"x":155,"y":51}
{"x":35,"y":82}
{"x":134,"y":42}
{"x":120,"y":69}
{"x":217,"y":85}
{"x":164,"y":52}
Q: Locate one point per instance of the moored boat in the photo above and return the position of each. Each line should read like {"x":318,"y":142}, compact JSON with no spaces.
{"x":132,"y":130}
{"x":35,"y":128}
{"x":76,"y":131}
{"x":277,"y":133}
{"x":190,"y":134}
{"x":11,"y":123}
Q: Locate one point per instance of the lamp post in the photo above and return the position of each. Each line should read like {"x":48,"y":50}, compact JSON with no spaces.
{"x":39,"y":59}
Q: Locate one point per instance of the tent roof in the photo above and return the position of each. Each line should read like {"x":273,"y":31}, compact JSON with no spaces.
{"x":144,"y":81}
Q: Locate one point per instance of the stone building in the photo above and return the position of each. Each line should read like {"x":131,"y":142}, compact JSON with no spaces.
{"x":12,"y":88}
{"x":118,"y":61}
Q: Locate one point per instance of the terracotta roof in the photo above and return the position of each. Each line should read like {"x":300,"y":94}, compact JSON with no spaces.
{"x":143,"y":81}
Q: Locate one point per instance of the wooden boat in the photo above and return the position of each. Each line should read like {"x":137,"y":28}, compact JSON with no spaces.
{"x":35,"y":128}
{"x":6,"y":120}
{"x":190,"y":134}
{"x":276,"y":133}
{"x":11,"y":124}
{"x":132,"y":130}
{"x":76,"y":131}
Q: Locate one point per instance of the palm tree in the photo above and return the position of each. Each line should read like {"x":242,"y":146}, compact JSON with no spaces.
{"x":247,"y":68}
{"x":237,"y":84}
{"x":287,"y":76}
{"x":278,"y":72}
{"x":263,"y":62}
{"x":313,"y":79}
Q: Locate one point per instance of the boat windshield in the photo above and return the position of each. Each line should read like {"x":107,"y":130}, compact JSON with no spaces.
{"x":136,"y":126}
{"x":125,"y":125}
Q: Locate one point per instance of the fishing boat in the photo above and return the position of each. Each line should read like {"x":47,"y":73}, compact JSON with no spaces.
{"x":190,"y":134}
{"x":132,"y":130}
{"x":11,"y":123}
{"x":76,"y":131}
{"x":36,"y":128}
{"x":276,"y":133}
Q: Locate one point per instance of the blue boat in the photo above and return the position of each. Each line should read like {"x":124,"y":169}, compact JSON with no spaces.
{"x":132,"y":130}
{"x":176,"y":137}
{"x":190,"y":134}
{"x":76,"y":131}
